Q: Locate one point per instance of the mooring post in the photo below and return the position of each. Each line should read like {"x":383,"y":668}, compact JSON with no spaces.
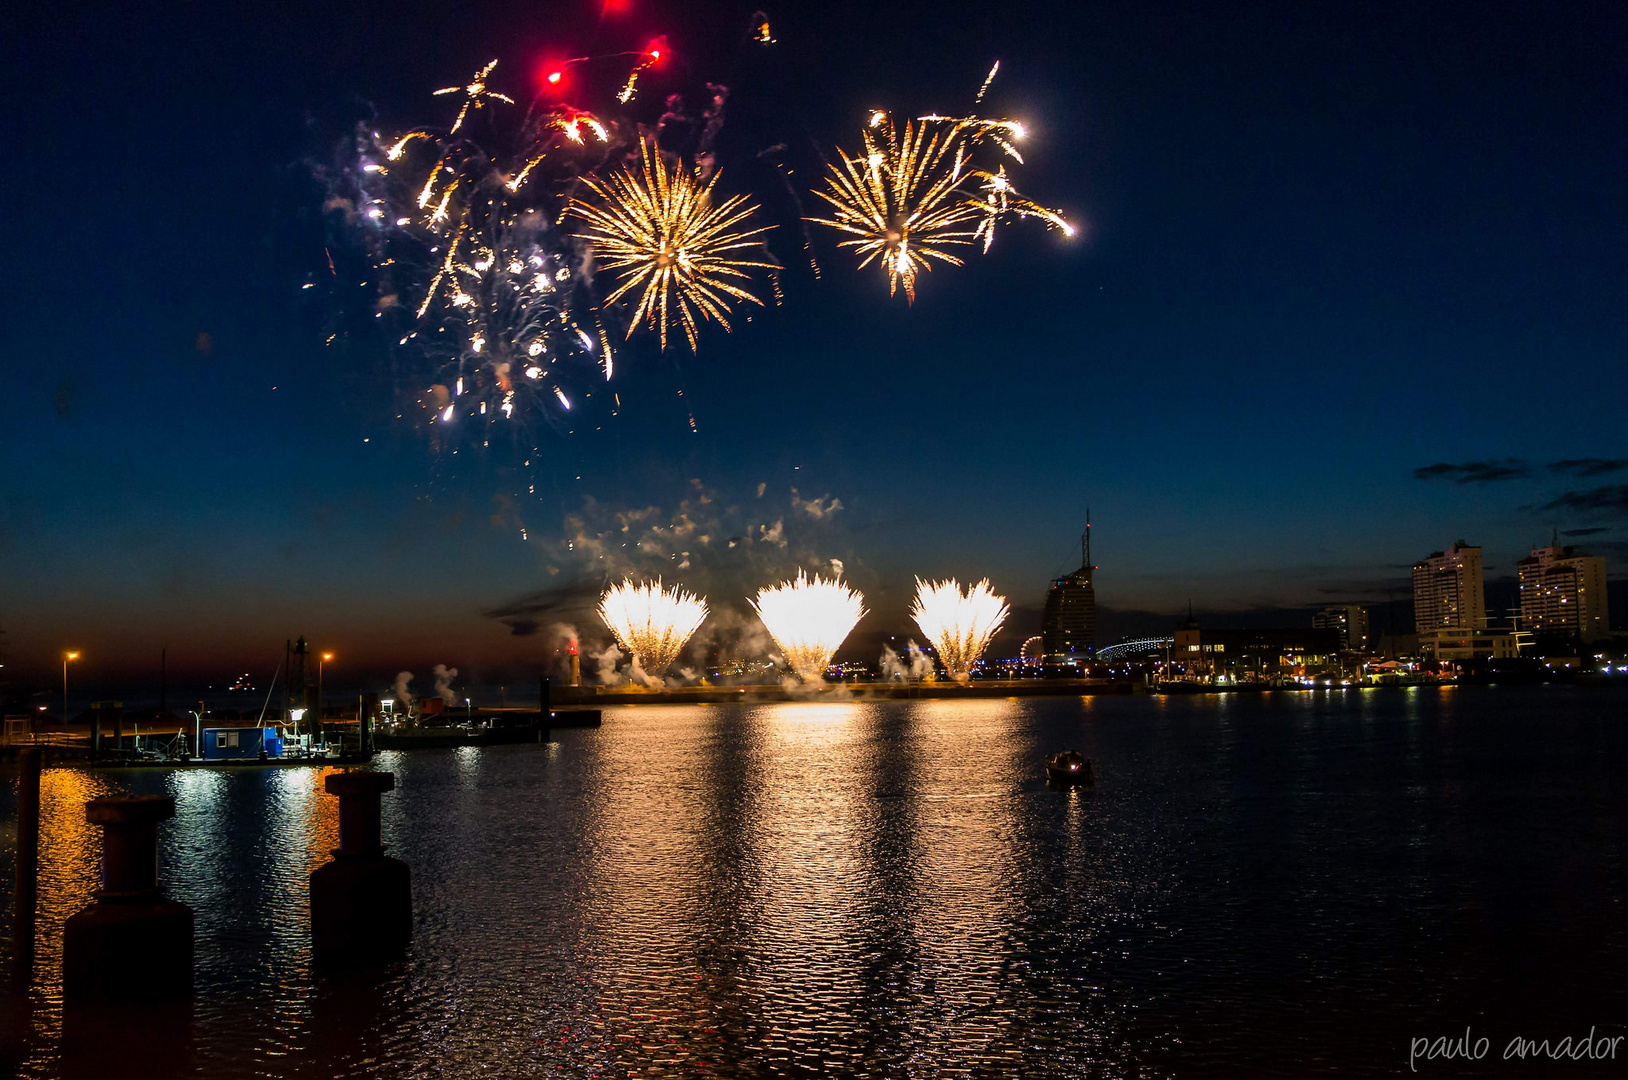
{"x":131,"y":944}
{"x":361,"y":902}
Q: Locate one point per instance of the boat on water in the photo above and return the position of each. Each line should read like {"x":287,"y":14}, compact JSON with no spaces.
{"x":1069,"y":767}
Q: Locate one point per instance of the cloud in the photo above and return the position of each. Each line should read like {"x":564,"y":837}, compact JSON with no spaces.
{"x":1612,"y":498}
{"x":1585,"y":532}
{"x":1588,"y":466}
{"x":1474,"y":472}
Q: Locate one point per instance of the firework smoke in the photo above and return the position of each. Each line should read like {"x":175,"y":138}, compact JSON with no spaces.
{"x":443,"y":683}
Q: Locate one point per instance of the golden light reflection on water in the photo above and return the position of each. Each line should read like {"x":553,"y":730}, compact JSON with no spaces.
{"x":793,"y":849}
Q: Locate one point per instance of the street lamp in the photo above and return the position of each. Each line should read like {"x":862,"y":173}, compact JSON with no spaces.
{"x":65,"y":658}
{"x":322,"y":658}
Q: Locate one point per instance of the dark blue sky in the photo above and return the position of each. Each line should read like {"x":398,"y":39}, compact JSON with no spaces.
{"x":1324,"y":246}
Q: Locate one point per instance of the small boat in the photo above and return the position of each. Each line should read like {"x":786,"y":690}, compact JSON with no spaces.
{"x":1068,"y":768}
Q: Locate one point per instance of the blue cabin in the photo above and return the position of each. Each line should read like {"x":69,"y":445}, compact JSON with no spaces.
{"x":223,"y":743}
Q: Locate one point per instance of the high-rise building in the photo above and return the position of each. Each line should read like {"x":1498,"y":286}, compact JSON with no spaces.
{"x":1447,"y":591}
{"x":1068,"y":629}
{"x":1349,"y":620}
{"x":1563,"y":592}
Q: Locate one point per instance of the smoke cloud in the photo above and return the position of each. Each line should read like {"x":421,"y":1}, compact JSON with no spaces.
{"x":914,"y":666}
{"x":443,"y":682}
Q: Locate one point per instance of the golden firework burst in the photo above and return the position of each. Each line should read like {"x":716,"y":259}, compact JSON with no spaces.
{"x":660,"y":230}
{"x":901,"y":201}
{"x":651,"y":622}
{"x":959,"y":622}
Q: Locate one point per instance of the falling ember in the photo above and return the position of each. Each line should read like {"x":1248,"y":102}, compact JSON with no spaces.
{"x":662,"y":234}
{"x":959,"y":624}
{"x":809,"y":620}
{"x":651,"y":622}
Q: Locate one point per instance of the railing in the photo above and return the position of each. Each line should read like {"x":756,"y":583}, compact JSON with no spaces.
{"x":19,"y":732}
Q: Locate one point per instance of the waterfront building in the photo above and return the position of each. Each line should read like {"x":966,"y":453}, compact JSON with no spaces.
{"x":1068,"y":628}
{"x":1563,"y":592}
{"x":1350,"y":621}
{"x":1468,"y":644}
{"x":1447,"y":591}
{"x":1234,"y":656}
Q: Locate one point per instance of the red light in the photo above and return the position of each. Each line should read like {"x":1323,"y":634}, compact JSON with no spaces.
{"x":555,"y":76}
{"x":655,"y":49}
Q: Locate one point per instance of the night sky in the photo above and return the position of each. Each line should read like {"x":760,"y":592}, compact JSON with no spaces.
{"x":1351,"y":286}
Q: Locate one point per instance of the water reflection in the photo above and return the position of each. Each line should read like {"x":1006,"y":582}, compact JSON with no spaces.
{"x":882,"y":889}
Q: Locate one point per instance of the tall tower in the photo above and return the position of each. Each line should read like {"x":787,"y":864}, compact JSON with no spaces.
{"x":1068,"y":629}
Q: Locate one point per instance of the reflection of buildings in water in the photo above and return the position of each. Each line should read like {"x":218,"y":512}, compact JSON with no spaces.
{"x":240,"y":851}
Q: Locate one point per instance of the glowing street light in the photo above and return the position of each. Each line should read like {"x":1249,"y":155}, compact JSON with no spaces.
{"x":322,"y":658}
{"x":67,"y":656}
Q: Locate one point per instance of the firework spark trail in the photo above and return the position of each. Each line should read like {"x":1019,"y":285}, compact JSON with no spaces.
{"x":809,"y":619}
{"x":984,"y":89}
{"x":475,"y":95}
{"x":958,"y":623}
{"x":651,"y":622}
{"x":661,"y":231}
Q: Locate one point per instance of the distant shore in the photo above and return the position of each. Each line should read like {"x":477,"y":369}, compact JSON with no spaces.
{"x":854,"y":691}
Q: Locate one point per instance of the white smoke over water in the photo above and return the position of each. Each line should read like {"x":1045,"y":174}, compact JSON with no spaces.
{"x":443,"y":683}
{"x":605,"y":665}
{"x":914,"y":666}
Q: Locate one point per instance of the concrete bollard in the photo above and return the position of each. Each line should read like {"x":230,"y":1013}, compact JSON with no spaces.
{"x":362,"y":901}
{"x":132,"y":944}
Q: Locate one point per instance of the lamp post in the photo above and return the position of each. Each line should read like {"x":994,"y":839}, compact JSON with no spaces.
{"x":67,"y":656}
{"x":322,"y":658}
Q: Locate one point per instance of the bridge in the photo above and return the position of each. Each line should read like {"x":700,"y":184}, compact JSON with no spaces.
{"x":1136,"y":648}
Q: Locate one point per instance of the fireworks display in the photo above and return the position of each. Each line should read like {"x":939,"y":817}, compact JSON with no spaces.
{"x":661,"y":233}
{"x":506,"y":247}
{"x":958,"y":623}
{"x":809,"y":619}
{"x":473,"y":279}
{"x":651,"y":622}
{"x":915,"y":197}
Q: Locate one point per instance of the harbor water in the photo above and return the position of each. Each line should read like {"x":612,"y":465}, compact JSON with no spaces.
{"x":1266,"y":884}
